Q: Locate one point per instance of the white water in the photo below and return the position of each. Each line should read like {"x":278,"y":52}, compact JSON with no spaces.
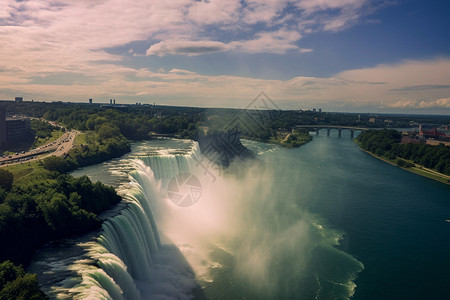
{"x":246,"y":237}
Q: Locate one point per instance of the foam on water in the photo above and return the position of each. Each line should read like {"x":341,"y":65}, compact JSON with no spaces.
{"x":246,"y":237}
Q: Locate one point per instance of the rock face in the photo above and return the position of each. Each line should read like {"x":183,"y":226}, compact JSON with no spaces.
{"x":224,"y":148}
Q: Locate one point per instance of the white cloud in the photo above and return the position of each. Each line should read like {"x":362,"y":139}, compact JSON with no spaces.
{"x":409,"y":84}
{"x":442,"y":102}
{"x":426,"y":72}
{"x":278,"y":42}
{"x":407,"y":103}
{"x":5,"y":8}
{"x":214,"y":11}
{"x":65,"y":36}
{"x":311,"y":6}
{"x":410,"y":103}
{"x":273,"y":42}
{"x":186,"y":48}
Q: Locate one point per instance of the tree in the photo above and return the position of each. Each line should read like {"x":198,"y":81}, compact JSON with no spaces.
{"x":16,"y":284}
{"x":55,"y":163}
{"x":107,"y":131}
{"x":6,"y":179}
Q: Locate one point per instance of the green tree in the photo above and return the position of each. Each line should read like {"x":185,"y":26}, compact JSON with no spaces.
{"x":6,"y":179}
{"x":107,"y":131}
{"x":16,"y":284}
{"x":55,"y":163}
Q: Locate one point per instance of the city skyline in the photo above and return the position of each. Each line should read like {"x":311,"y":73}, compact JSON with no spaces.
{"x":343,"y":55}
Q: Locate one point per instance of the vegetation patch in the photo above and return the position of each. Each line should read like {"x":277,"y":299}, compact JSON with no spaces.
{"x":415,"y":157}
{"x":44,"y":132}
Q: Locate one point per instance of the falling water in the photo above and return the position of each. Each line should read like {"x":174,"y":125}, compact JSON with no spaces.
{"x":246,"y":237}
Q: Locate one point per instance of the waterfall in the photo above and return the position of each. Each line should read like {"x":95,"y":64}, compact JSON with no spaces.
{"x":189,"y":228}
{"x":130,"y":242}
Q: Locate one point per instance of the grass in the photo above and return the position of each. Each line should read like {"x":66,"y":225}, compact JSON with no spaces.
{"x":430,"y":174}
{"x":80,"y":139}
{"x":24,"y":169}
{"x":56,"y":134}
{"x":7,"y":153}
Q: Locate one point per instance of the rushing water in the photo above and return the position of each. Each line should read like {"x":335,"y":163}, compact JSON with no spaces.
{"x":324,"y":221}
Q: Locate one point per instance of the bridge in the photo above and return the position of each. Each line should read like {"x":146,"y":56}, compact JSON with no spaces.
{"x":317,"y":128}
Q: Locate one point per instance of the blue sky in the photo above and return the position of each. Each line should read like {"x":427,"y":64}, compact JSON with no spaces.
{"x":340,"y":55}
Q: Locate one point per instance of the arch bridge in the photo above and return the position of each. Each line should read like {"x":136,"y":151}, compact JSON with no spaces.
{"x":317,"y":128}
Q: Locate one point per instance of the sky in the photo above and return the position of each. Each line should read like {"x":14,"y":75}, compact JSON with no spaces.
{"x":378,"y":56}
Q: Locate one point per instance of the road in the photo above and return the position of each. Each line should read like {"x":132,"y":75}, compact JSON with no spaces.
{"x":65,"y":143}
{"x":59,"y":148}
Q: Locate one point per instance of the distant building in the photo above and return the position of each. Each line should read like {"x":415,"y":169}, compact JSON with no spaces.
{"x":12,"y":128}
{"x":320,"y":110}
{"x":410,"y":138}
{"x":2,"y":127}
{"x":16,"y":128}
{"x":371,"y":120}
{"x":18,"y":99}
{"x":314,"y":110}
{"x":430,"y":131}
{"x":90,"y":101}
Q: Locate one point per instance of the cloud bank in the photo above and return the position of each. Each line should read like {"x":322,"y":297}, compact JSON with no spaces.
{"x":72,"y":41}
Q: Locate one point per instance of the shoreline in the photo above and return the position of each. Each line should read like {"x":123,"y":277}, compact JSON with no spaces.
{"x":418,"y":169}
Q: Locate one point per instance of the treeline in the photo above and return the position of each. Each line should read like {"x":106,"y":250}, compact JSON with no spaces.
{"x":138,"y":122}
{"x":133,"y":122}
{"x":386,"y":143}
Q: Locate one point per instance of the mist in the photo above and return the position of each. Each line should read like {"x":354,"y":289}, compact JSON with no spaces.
{"x":244,"y":233}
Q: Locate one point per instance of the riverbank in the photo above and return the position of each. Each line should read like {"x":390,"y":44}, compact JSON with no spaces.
{"x":417,"y":169}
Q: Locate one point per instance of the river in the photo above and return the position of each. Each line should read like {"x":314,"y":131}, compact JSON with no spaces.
{"x":323,"y":221}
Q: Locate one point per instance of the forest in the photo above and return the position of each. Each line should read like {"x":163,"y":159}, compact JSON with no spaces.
{"x":386,"y":143}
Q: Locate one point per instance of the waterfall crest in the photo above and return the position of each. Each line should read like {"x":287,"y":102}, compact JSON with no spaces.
{"x":129,"y":242}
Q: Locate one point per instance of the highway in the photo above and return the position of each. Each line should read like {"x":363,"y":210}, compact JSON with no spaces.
{"x":59,"y":148}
